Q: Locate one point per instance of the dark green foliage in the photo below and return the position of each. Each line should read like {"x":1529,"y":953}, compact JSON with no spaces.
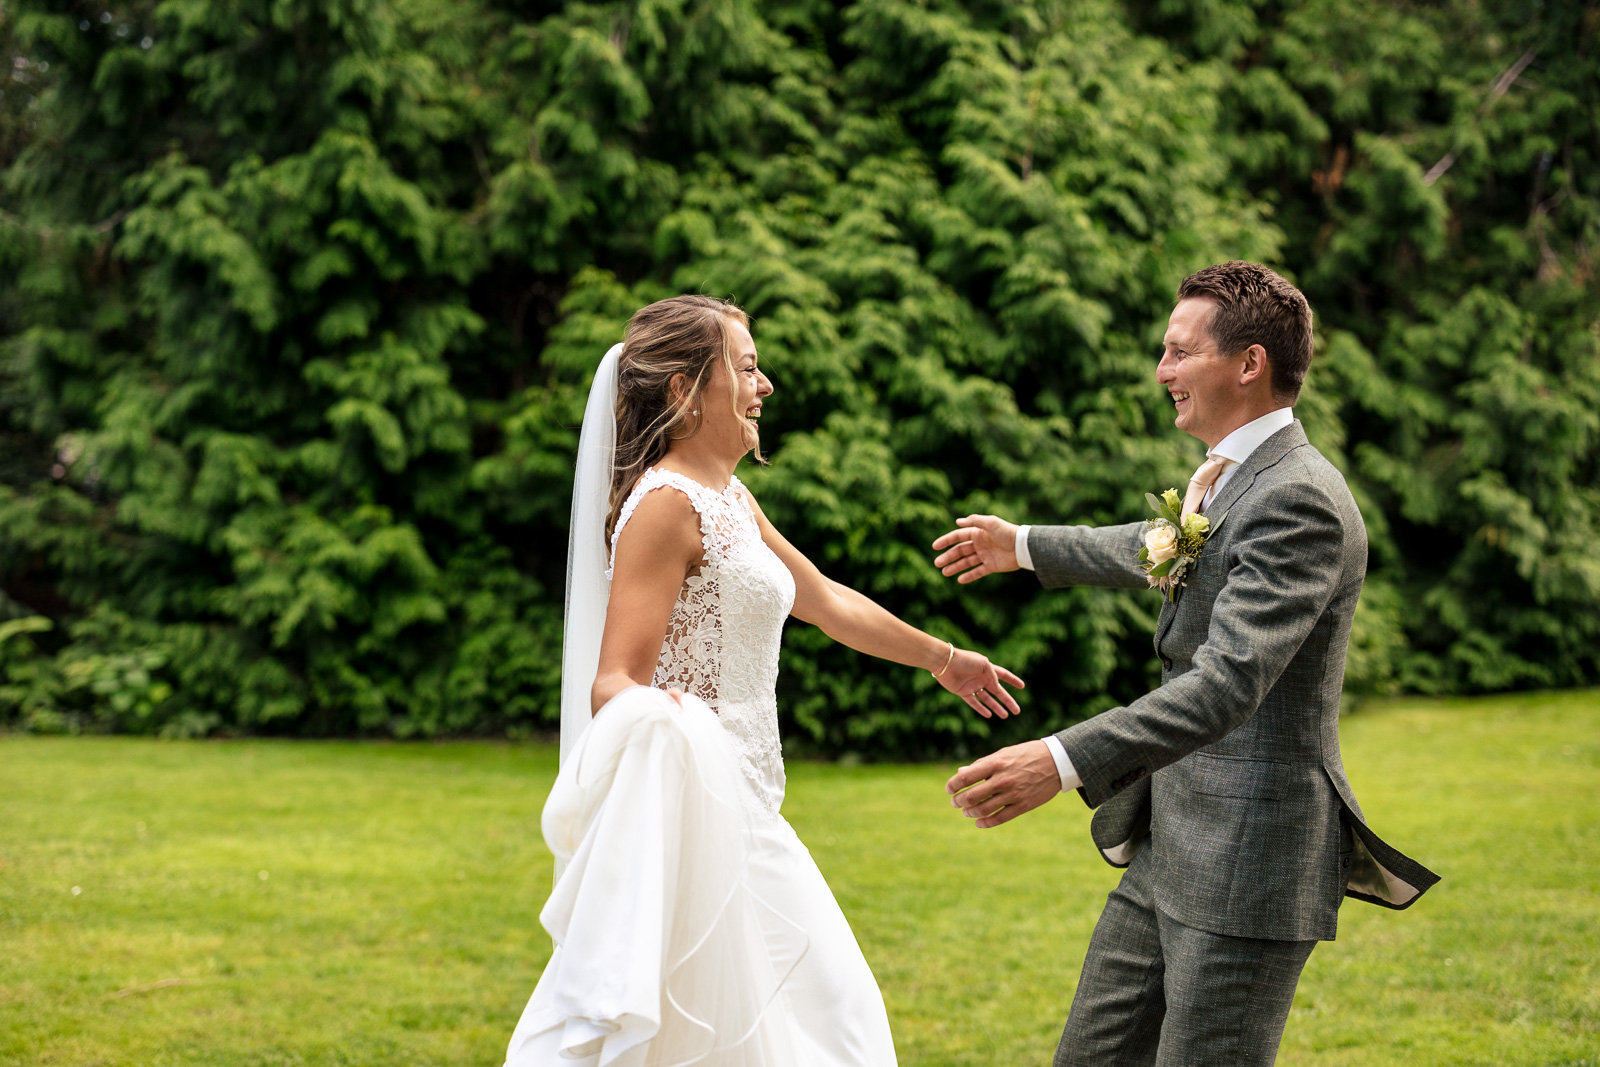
{"x":300,"y":301}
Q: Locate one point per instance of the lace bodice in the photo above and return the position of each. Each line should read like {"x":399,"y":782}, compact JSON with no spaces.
{"x":726,"y":626}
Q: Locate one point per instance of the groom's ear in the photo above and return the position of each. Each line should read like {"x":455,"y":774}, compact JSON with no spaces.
{"x":1253,"y":366}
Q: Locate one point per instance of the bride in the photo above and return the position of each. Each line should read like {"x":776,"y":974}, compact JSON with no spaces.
{"x":691,"y":925}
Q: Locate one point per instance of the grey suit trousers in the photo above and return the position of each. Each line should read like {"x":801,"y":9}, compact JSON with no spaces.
{"x":1156,"y":992}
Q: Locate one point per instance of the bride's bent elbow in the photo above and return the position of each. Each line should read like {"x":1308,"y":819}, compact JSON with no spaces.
{"x":606,"y":687}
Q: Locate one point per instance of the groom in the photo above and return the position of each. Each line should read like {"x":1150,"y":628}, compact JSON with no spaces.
{"x":1222,"y":792}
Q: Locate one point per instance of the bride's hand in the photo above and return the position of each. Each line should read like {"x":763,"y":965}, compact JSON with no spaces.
{"x":974,"y":679}
{"x":677,"y":696}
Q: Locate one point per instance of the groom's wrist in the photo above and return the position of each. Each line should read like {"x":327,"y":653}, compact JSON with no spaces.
{"x":1069,"y":774}
{"x":1024,"y":559}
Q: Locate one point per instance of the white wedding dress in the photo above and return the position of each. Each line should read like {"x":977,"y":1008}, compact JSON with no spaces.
{"x":691,"y":924}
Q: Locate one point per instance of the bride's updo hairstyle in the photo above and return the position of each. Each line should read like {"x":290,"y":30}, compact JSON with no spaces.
{"x":684,"y":335}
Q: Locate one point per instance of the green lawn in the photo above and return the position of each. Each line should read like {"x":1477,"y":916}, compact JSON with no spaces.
{"x":333,"y":903}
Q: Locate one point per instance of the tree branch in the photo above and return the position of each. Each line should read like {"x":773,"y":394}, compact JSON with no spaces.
{"x":1507,"y":79}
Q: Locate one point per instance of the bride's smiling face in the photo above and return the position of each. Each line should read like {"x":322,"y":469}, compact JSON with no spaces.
{"x":732,"y":411}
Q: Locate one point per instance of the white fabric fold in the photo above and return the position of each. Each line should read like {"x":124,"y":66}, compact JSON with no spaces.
{"x":1024,"y":557}
{"x":588,"y":583}
{"x":1064,"y":768}
{"x":654,"y":910}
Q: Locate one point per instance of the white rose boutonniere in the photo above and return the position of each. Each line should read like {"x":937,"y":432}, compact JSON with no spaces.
{"x":1172,"y":544}
{"x":1160,"y":541}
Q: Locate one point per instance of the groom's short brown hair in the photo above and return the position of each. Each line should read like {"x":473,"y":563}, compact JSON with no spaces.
{"x":1257,"y":306}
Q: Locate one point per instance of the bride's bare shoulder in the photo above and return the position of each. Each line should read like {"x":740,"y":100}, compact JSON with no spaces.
{"x":664,"y":504}
{"x":662,"y":525}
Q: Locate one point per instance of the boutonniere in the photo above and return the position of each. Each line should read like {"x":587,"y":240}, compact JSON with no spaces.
{"x":1172,"y":544}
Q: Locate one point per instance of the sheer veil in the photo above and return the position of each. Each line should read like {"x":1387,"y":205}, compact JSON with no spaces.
{"x":588,"y":586}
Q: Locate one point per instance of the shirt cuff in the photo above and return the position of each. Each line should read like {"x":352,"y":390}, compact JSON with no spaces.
{"x":1069,"y":776}
{"x":1024,"y":560}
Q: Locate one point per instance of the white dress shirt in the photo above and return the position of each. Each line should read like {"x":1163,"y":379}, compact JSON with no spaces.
{"x":1235,"y":448}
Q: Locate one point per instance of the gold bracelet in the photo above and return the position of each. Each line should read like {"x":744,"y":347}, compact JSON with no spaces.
{"x":948,"y":660}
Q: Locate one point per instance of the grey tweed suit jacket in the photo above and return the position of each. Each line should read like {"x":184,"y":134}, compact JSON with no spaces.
{"x":1230,"y":772}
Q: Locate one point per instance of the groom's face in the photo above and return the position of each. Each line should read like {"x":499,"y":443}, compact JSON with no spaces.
{"x":1203,"y":384}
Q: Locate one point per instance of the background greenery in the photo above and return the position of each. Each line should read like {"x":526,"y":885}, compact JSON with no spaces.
{"x":299,"y":300}
{"x":260,"y":903}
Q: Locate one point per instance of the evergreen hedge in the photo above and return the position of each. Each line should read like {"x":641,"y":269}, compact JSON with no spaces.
{"x":299,"y":300}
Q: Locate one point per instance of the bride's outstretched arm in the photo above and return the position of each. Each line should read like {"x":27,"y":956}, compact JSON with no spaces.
{"x":655,"y":552}
{"x":854,"y":620}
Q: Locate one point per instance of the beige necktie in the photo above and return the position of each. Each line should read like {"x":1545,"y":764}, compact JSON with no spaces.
{"x":1203,"y":479}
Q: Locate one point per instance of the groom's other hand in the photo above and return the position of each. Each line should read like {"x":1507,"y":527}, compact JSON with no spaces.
{"x":982,"y":544}
{"x":1005,"y":784}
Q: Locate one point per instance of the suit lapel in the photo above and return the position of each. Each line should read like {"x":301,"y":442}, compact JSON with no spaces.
{"x":1169,"y":610}
{"x":1268,"y":453}
{"x":1271,"y":451}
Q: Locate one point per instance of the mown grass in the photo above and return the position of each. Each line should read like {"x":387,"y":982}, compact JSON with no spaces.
{"x":258,"y":903}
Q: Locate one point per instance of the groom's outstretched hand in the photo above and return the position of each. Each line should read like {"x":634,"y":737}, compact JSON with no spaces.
{"x":1005,"y":784}
{"x":981,"y":544}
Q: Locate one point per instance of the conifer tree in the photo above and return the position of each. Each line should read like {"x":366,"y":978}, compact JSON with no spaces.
{"x":299,"y":303}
